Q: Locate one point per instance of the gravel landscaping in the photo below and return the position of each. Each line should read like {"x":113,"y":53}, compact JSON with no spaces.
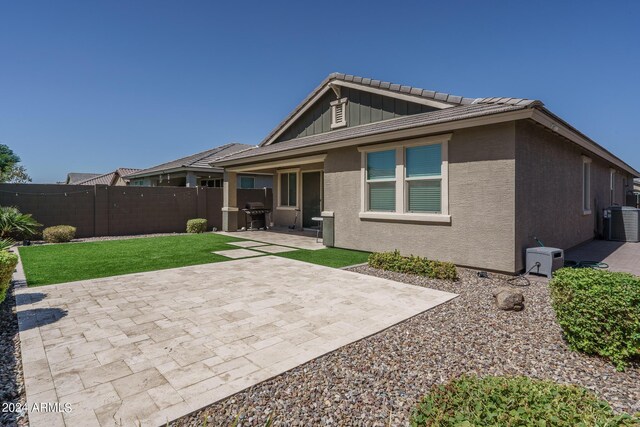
{"x":11,"y":381}
{"x":378,"y":380}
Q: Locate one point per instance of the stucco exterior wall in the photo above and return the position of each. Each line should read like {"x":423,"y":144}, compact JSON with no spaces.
{"x":549,"y":191}
{"x":481,"y":204}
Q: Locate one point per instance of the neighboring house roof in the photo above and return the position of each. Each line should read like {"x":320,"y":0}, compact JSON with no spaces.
{"x":198,"y":161}
{"x":441,"y":99}
{"x":108,"y":178}
{"x":454,"y":112}
{"x":75,"y":177}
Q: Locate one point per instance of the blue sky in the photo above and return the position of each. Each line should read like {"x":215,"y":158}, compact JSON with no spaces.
{"x":90,"y":86}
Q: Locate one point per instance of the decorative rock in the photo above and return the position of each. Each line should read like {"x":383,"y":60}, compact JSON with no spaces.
{"x":509,"y":299}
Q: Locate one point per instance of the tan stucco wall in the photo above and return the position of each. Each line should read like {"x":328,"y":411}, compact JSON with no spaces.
{"x":481,"y":204}
{"x":549,"y":191}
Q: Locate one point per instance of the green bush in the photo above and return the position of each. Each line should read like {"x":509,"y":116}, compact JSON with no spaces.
{"x":8,"y":262}
{"x":16,"y":225}
{"x":599,"y":312}
{"x":197,"y":225}
{"x":59,"y":234}
{"x":519,"y":401}
{"x":393,"y":261}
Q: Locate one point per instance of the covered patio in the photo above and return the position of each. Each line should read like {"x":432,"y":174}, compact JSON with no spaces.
{"x":297,"y":196}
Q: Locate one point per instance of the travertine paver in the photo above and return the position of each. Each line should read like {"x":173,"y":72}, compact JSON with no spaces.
{"x":274,"y":249}
{"x":247,"y":244}
{"x":291,"y":238}
{"x":237,"y":253}
{"x":150,"y":347}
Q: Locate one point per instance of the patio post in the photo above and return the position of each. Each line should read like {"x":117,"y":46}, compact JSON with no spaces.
{"x":229,"y":202}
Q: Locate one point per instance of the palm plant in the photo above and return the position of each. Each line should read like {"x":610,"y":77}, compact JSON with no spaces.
{"x":15,"y":224}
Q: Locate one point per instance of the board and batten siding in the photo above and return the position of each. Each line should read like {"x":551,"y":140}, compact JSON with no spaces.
{"x":362,"y":108}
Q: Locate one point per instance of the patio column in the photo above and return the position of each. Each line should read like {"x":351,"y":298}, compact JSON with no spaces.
{"x":191,"y":180}
{"x":229,"y":202}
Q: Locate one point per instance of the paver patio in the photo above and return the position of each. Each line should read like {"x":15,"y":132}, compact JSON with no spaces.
{"x":293,"y":239}
{"x":151,"y":347}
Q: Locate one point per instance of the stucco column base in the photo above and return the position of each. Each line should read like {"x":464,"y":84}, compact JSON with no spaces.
{"x":229,"y":219}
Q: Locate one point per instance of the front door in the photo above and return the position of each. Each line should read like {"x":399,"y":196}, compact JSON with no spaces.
{"x":311,"y":197}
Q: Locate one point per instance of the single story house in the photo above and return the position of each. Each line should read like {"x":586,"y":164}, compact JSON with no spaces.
{"x":115,"y":178}
{"x":197,"y":170}
{"x":473,"y":181}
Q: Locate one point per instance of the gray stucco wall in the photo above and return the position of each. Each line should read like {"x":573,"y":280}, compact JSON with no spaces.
{"x":549,"y":191}
{"x":481,"y":204}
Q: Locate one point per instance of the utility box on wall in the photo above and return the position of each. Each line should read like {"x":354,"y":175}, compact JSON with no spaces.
{"x":544,"y":261}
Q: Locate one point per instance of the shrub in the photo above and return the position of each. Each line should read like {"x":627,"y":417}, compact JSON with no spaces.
{"x":197,"y":225}
{"x":59,"y":234}
{"x":599,"y":312}
{"x":393,"y":261}
{"x":518,"y":401}
{"x":8,"y":262}
{"x":16,"y":225}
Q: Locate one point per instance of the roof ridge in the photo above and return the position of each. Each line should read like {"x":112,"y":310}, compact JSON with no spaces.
{"x":443,"y":97}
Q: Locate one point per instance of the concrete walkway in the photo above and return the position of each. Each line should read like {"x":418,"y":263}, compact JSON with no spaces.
{"x":147,"y":348}
{"x":621,"y":256}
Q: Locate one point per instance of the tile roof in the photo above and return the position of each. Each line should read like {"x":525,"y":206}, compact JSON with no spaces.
{"x":75,"y":177}
{"x":107,"y":178}
{"x":453,"y":100}
{"x":398,"y":123}
{"x":198,"y":160}
{"x":104,"y":179}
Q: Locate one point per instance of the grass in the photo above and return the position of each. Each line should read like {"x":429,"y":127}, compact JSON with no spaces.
{"x":68,"y":262}
{"x":329,"y":257}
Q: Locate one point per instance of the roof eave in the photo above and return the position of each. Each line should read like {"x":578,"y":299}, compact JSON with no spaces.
{"x":173,"y":170}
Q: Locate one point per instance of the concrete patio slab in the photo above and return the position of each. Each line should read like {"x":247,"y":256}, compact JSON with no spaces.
{"x":273,"y":249}
{"x":247,"y":244}
{"x":293,"y":239}
{"x":620,"y":256}
{"x":237,"y":253}
{"x":151,"y":347}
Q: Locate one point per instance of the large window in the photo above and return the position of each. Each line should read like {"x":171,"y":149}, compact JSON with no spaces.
{"x":288,"y":188}
{"x":406,"y":180}
{"x":424,"y":178}
{"x":381,"y":180}
{"x":247,"y":182}
{"x":586,"y":185}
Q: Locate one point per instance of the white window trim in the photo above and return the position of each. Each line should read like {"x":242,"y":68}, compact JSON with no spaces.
{"x":401,"y":213}
{"x":334,"y":123}
{"x":283,"y":172}
{"x":586,"y":161}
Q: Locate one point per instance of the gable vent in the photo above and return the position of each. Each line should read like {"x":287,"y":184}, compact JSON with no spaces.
{"x":339,"y":113}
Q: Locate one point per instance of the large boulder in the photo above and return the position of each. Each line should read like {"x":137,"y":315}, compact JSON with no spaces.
{"x":509,"y":299}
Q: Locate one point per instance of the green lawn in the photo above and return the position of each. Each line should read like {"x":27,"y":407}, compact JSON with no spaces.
{"x":330,"y":257}
{"x":68,"y":262}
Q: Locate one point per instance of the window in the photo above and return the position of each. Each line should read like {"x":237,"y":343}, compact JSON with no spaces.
{"x":612,"y":187}
{"x":381,"y":180}
{"x":339,"y":113}
{"x":138,"y":182}
{"x":586,"y":185}
{"x":247,"y":182}
{"x":424,"y":178}
{"x":406,"y":180}
{"x":216,"y":183}
{"x":288,"y":189}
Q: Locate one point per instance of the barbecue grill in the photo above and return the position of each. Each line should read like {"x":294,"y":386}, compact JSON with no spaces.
{"x":256,"y":212}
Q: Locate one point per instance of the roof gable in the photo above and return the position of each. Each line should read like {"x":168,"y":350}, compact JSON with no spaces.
{"x":297,"y":125}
